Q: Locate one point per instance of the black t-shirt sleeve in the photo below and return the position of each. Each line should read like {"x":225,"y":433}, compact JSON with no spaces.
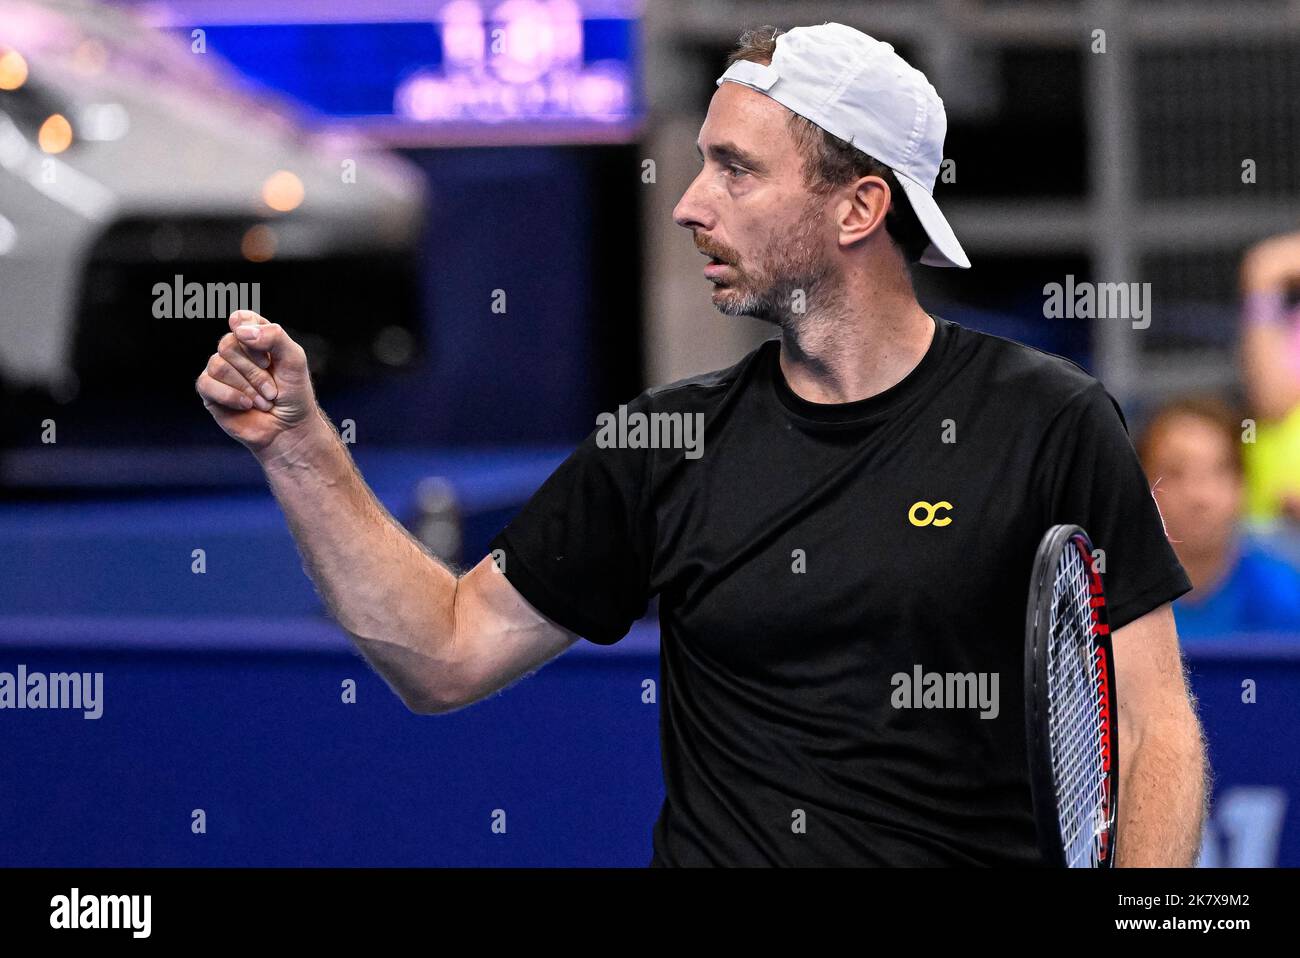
{"x":1094,"y":479}
{"x":580,"y":549}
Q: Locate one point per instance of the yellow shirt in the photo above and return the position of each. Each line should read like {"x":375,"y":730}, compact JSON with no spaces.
{"x":1273,"y":466}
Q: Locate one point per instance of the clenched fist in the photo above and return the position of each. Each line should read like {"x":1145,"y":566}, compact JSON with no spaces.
{"x":257,"y":385}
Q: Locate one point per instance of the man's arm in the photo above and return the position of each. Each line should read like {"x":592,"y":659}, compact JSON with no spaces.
{"x":1162,"y":764}
{"x":439,"y":640}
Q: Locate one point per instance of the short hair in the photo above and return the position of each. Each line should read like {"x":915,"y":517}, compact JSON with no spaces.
{"x":829,"y":162}
{"x":1224,"y":416}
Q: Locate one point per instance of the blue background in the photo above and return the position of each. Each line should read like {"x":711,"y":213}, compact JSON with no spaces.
{"x":210,"y":703}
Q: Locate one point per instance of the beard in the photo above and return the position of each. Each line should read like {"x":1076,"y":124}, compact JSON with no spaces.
{"x":778,"y":285}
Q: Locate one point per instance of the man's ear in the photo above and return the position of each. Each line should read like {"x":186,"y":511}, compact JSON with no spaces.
{"x":863,"y":211}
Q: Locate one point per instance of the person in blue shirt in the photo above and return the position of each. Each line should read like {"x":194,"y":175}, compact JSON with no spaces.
{"x":1191,"y":449}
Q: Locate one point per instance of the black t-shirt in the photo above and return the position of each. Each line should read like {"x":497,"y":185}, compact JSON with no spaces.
{"x":800,"y":574}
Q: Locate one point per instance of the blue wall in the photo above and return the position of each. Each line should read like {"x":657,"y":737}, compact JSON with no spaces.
{"x":223,"y":692}
{"x":244,"y":719}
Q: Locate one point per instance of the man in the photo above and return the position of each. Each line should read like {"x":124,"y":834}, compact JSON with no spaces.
{"x":1192,"y":452}
{"x":871,"y":490}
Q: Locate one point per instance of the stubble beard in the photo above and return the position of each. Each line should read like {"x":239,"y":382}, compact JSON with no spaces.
{"x":793,"y":270}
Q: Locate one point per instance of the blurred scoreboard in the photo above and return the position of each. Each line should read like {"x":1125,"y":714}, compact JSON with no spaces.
{"x":477,"y":71}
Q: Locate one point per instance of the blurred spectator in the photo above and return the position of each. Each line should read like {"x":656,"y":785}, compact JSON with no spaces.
{"x":1192,"y":452}
{"x":1270,"y":353}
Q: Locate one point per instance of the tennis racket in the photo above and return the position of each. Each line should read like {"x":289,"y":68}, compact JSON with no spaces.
{"x":1071,"y":722}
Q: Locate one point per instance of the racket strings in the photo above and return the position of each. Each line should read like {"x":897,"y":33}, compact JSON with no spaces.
{"x":1075,"y":723}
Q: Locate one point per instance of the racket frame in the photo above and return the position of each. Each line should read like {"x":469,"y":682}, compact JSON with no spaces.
{"x":1037,"y":622}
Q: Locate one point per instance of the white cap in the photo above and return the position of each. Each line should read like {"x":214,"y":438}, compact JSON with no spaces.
{"x":858,"y":89}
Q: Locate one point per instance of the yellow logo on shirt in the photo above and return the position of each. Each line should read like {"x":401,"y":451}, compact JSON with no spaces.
{"x":930,"y":511}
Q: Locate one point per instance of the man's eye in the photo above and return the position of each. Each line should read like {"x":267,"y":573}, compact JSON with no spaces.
{"x":735,"y":170}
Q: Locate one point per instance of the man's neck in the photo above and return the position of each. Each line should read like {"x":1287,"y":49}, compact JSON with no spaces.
{"x":834,"y":355}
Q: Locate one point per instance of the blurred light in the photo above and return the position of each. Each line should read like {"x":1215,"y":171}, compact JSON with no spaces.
{"x":55,"y":134}
{"x":90,"y":56}
{"x":603,"y":92}
{"x":533,"y":97}
{"x":567,"y":17}
{"x":13,"y":70}
{"x":317,"y":348}
{"x":258,"y":244}
{"x":440,"y":520}
{"x":527,"y":41}
{"x":510,"y":101}
{"x":394,"y":346}
{"x":423,"y":96}
{"x":282,"y":191}
{"x":8,"y":236}
{"x":462,"y":34}
{"x":535,"y":56}
{"x":103,"y":121}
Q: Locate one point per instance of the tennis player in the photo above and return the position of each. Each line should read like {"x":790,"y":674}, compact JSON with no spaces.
{"x":855,"y":530}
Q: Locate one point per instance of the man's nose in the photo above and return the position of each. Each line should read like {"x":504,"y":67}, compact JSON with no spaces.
{"x":691,"y":212}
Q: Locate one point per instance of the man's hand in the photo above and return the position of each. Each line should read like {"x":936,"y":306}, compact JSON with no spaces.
{"x":439,"y":644}
{"x":257,"y":385}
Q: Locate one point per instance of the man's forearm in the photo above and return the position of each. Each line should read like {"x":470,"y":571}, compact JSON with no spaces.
{"x":1162,"y":795}
{"x":391,"y":595}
